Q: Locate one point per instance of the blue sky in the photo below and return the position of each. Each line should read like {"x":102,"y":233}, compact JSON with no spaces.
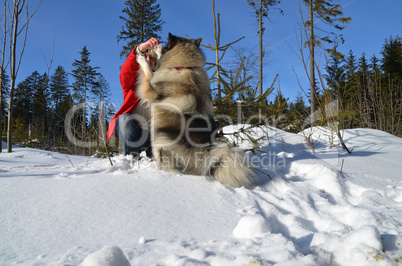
{"x":96,"y":23}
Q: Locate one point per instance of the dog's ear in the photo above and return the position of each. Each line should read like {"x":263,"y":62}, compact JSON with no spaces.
{"x":172,"y":40}
{"x":198,"y":42}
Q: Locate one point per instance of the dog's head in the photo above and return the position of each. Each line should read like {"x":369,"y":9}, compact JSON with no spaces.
{"x":174,"y":40}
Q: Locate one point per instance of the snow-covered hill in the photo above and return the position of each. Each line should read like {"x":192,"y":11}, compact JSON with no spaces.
{"x":68,"y":210}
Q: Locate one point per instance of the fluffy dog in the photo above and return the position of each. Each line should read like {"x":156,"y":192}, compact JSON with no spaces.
{"x":183,"y":129}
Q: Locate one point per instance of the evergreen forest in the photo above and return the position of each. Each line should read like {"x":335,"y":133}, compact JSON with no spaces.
{"x":60,"y":111}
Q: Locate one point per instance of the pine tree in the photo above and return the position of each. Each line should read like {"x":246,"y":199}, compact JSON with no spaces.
{"x":247,"y":59}
{"x":374,"y":65}
{"x":298,"y":112}
{"x":349,"y":95}
{"x":219,"y":72}
{"x":85,"y":80}
{"x":101,"y":99}
{"x":280,"y":108}
{"x":60,"y":102}
{"x":390,"y":90}
{"x":363,"y":90}
{"x":280,"y":104}
{"x":335,"y":76}
{"x":23,"y":99}
{"x":330,"y":14}
{"x":103,"y":92}
{"x":362,"y":64}
{"x":84,"y":75}
{"x":350,"y":66}
{"x":40,"y":108}
{"x":142,"y":21}
{"x":371,"y":90}
{"x":261,"y":11}
{"x":391,"y":63}
{"x":30,"y":104}
{"x":59,"y":87}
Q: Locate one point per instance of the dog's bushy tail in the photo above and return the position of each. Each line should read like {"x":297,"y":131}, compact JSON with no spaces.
{"x":229,"y":166}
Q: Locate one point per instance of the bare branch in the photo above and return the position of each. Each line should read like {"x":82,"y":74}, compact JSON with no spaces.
{"x":49,"y":66}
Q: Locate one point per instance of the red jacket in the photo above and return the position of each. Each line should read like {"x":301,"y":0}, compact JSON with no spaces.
{"x":128,"y":80}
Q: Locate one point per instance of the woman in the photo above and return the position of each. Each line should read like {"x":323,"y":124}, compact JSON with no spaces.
{"x":130,"y":123}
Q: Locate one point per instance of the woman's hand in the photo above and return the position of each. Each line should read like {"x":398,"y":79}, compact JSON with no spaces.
{"x":150,"y":44}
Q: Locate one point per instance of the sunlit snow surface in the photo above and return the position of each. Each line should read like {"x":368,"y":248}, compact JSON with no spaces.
{"x":71,"y":210}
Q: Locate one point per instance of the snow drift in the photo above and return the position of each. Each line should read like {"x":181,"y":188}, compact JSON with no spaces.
{"x":59,"y":210}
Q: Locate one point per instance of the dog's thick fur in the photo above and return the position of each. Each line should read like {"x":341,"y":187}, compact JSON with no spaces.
{"x":182,"y":125}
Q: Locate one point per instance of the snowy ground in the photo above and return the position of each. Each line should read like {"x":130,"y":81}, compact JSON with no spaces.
{"x":59,"y":210}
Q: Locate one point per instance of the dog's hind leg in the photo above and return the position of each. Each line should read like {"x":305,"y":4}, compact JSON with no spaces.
{"x":167,"y":162}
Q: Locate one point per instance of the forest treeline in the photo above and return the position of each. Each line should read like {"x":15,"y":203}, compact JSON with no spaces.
{"x":366,"y":89}
{"x":55,"y":111}
{"x":366,"y":92}
{"x":69,"y":112}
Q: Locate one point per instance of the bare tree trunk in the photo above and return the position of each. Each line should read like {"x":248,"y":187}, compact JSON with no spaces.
{"x":382,"y":109}
{"x":13,"y":75}
{"x":360,"y":100}
{"x":102,"y":128}
{"x":391,"y":106}
{"x":261,"y":59}
{"x":3,"y":53}
{"x":84,"y":118}
{"x":218,"y":76}
{"x":312,"y":76}
{"x":14,"y":66}
{"x":1,"y":108}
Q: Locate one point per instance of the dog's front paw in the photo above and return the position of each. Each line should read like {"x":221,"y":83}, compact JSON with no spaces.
{"x":158,"y":51}
{"x":144,"y":65}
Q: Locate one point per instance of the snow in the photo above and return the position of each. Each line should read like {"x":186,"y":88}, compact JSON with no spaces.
{"x":107,"y":256}
{"x":328,"y":208}
{"x":251,"y":226}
